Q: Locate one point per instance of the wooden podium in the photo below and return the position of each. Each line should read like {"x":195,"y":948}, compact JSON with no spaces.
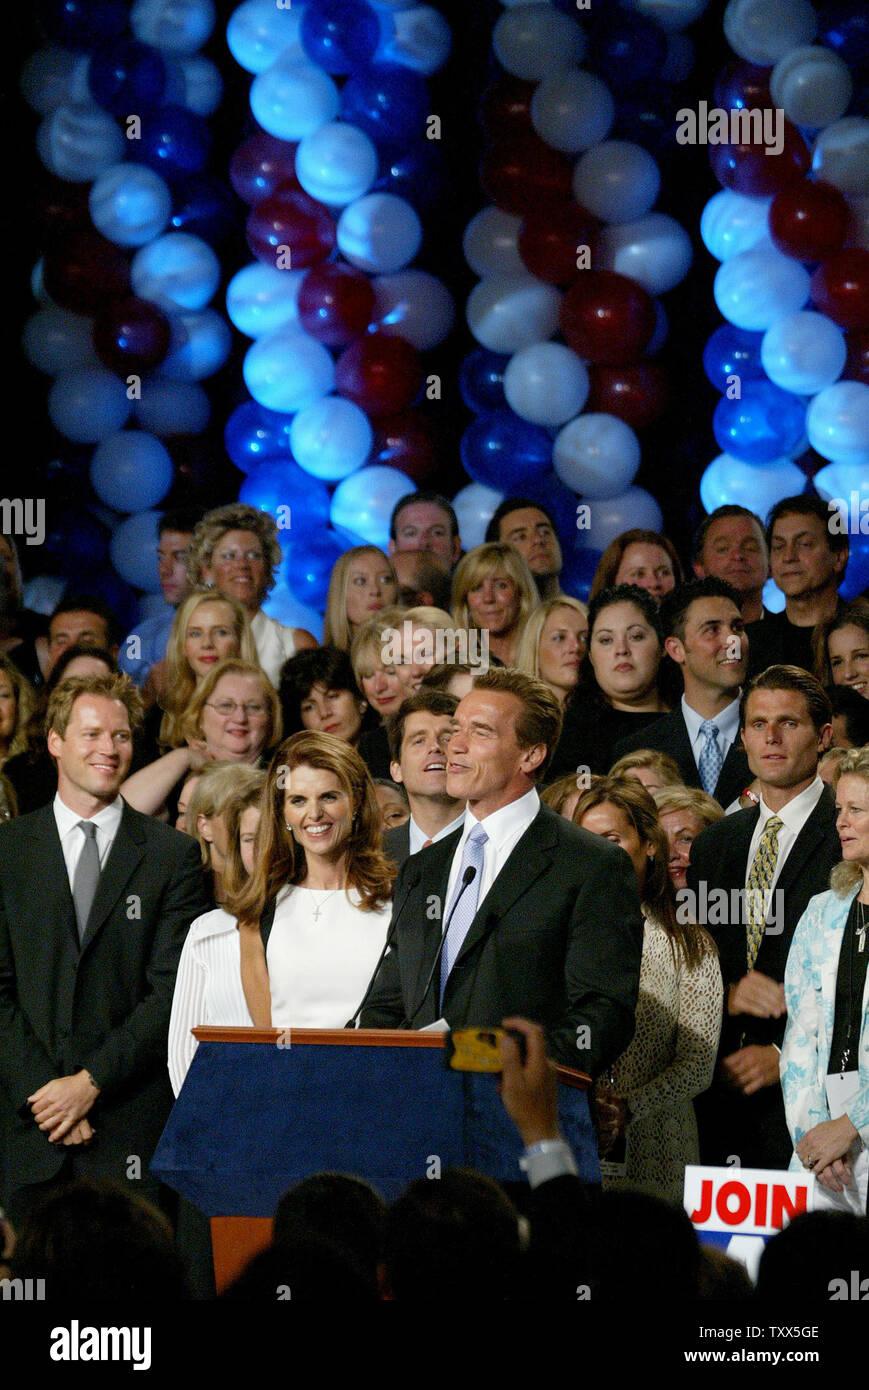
{"x":262,"y":1109}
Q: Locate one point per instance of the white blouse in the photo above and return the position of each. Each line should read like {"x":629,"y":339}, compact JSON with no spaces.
{"x":275,"y":644}
{"x":207,"y":988}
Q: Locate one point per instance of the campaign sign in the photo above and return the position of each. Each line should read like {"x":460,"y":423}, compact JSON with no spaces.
{"x":740,"y":1209}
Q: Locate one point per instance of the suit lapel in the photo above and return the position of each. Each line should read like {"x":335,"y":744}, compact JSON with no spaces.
{"x":54,"y":890}
{"x":807,"y":842}
{"x":123,"y":859}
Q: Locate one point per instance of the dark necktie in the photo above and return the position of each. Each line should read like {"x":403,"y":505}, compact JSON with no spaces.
{"x":87,"y":876}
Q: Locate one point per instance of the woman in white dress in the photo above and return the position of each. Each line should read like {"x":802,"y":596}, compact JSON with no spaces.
{"x":646,"y":1099}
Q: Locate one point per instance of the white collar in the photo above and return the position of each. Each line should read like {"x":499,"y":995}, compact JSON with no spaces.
{"x":727,"y":722}
{"x":503,"y":823}
{"x":797,"y":811}
{"x":417,"y":836}
{"x":107,"y":820}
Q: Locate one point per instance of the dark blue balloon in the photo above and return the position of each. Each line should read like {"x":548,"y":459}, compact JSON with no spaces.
{"x":481,"y":380}
{"x":75,"y":542}
{"x":647,"y":115}
{"x":308,"y":566}
{"x":415,"y":173}
{"x":83,"y":24}
{"x":205,"y":207}
{"x":844,"y":27}
{"x":174,"y":141}
{"x":117,"y":593}
{"x":254,"y":435}
{"x":580,"y":567}
{"x":506,"y":452}
{"x":126,"y":77}
{"x":857,"y":573}
{"x":298,"y":502}
{"x":561,"y":503}
{"x":390,"y":103}
{"x":765,"y":423}
{"x":625,"y":48}
{"x":731,"y":352}
{"x":340,"y":35}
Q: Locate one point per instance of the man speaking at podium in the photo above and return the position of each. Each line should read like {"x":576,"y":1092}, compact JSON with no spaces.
{"x":519,"y":912}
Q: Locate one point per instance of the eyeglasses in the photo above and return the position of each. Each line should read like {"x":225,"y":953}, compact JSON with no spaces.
{"x":254,"y":709}
{"x":229,"y":557}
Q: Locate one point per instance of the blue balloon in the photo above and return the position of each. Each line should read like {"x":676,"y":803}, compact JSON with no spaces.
{"x":82,"y":24}
{"x":181,"y":26}
{"x":88,"y":403}
{"x":844,"y":28}
{"x":765,"y":423}
{"x":580,"y":567}
{"x":199,"y":346}
{"x":340,"y":35}
{"x":258,"y":33}
{"x":134,"y":550}
{"x":625,"y":48}
{"x":857,"y":573}
{"x":172,"y":407}
{"x":390,"y":103}
{"x":481,"y":380}
{"x":204,"y":207}
{"x":647,"y":115}
{"x":254,"y":436}
{"x":76,"y":541}
{"x":118,"y":594}
{"x":415,"y":173}
{"x":298,"y":502}
{"x":287,"y":609}
{"x":731,"y":352}
{"x":131,"y":471}
{"x":502,"y":450}
{"x":308,"y":565}
{"x":127,"y":77}
{"x":174,"y":142}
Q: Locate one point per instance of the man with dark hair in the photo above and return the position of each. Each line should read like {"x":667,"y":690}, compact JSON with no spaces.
{"x":850,"y":717}
{"x":146,"y":644}
{"x":419,"y":733}
{"x":730,"y":544}
{"x":81,"y":620}
{"x":769,"y":861}
{"x":519,"y":911}
{"x":704,"y":633}
{"x":95,"y":902}
{"x":426,"y":521}
{"x":530,"y":529}
{"x":808,"y":555}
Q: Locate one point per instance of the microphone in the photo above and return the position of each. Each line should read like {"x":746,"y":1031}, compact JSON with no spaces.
{"x":390,"y":937}
{"x":467,"y":878}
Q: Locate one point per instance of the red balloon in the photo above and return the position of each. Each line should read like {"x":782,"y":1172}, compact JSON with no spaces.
{"x":840,"y":288}
{"x":742,"y":86}
{"x":605,"y":317}
{"x":289,"y":218}
{"x":60,"y":207}
{"x":520,"y":174}
{"x":131,"y":335}
{"x":751,"y":169}
{"x":261,"y":165}
{"x":505,"y":107}
{"x":83,"y":272}
{"x":638,"y":393}
{"x":857,"y":361}
{"x":809,"y":221}
{"x":410,"y":442}
{"x":381,"y":374}
{"x":335,"y":303}
{"x":550,"y":238}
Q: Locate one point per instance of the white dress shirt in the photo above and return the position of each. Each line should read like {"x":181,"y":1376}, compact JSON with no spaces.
{"x":727,"y":723}
{"x":417,"y":838}
{"x":72,"y":839}
{"x":207,"y":988}
{"x":504,"y":829}
{"x":793,"y":817}
{"x":275,"y":644}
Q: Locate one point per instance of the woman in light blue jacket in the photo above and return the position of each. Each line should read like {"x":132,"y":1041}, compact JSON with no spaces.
{"x":825,"y":1054}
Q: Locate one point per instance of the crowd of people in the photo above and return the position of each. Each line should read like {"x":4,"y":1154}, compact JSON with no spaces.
{"x":643,"y":824}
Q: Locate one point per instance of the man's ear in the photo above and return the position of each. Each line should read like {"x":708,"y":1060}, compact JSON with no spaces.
{"x":54,"y":743}
{"x":675,"y":649}
{"x":840,"y":560}
{"x":825,"y":737}
{"x":699,"y":570}
{"x":532,"y":757}
{"x":395,"y":772}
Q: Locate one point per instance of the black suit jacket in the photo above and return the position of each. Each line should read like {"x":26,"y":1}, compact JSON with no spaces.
{"x":103,"y":1004}
{"x":669,"y":734}
{"x":396,"y":843}
{"x":557,"y":939}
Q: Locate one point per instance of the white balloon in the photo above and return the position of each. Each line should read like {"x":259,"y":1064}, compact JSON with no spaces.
{"x":379,"y":233}
{"x":56,"y":340}
{"x":491,"y":243}
{"x":336,"y":164}
{"x":762,"y":31}
{"x":474,"y":506}
{"x":837,"y":423}
{"x":610,"y":516}
{"x":181,"y":26}
{"x":572,"y":110}
{"x":546,"y":383}
{"x":78,"y":140}
{"x":837,"y":480}
{"x":130,"y":204}
{"x":670,"y":14}
{"x":731,"y":222}
{"x":420,"y":39}
{"x":841,"y":155}
{"x":617,"y":181}
{"x":756,"y":287}
{"x":199,"y":346}
{"x":176,"y":271}
{"x":597,"y":455}
{"x":812,"y":84}
{"x":730,"y":480}
{"x":45,"y":78}
{"x":509,"y":312}
{"x":654,"y":250}
{"x":292,"y":99}
{"x":331,"y":438}
{"x":288,"y":370}
{"x":259,"y":32}
{"x":532,"y":41}
{"x":260,"y":298}
{"x":203,"y":85}
{"x":803,"y":352}
{"x":415,"y":306}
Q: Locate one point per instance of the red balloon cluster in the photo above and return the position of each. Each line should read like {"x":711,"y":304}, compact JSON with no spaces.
{"x":290,"y":218}
{"x":809,"y":221}
{"x":335,"y":303}
{"x":380,"y":373}
{"x":607,"y":318}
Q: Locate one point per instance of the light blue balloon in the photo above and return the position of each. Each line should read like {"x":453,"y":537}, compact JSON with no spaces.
{"x":133,"y":550}
{"x":379,"y":233}
{"x":79,"y":140}
{"x":597,"y":455}
{"x":417,"y":37}
{"x":287,"y":370}
{"x":285,"y":608}
{"x":617,"y":180}
{"x":839,"y":480}
{"x":573,"y":110}
{"x":731,"y":222}
{"x":610,"y":516}
{"x":292,"y":99}
{"x":199,"y":345}
{"x":45,"y":78}
{"x":363,"y":502}
{"x":172,"y":407}
{"x":260,"y":298}
{"x":87,"y":404}
{"x":474,"y":506}
{"x":258,"y":33}
{"x":331,"y":438}
{"x":203,"y":85}
{"x":837,"y":423}
{"x":131,"y":471}
{"x":729,"y":480}
{"x":180,"y":26}
{"x":756,"y":287}
{"x":654,"y":250}
{"x":176,"y":271}
{"x":803,"y":352}
{"x":130,"y":204}
{"x":56,"y":340}
{"x":336,"y":164}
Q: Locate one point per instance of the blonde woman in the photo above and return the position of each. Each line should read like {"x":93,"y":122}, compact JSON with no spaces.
{"x":208,"y":628}
{"x":683,"y":813}
{"x":553,"y":644}
{"x":380,"y":680}
{"x":494,"y":590}
{"x":218,"y":787}
{"x":361,"y":585}
{"x":17,"y":702}
{"x":655,"y":770}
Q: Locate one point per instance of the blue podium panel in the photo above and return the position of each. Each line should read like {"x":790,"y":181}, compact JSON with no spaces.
{"x":493,"y":1146}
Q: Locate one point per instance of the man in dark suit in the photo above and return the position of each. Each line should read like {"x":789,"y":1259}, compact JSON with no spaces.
{"x":418,"y":735}
{"x":769,"y":861}
{"x":95,"y":902}
{"x":519,"y":912}
{"x":704,"y":633}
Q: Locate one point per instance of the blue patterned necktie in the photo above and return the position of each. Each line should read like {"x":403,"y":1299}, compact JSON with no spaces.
{"x":711,"y":760}
{"x":464,"y":913}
